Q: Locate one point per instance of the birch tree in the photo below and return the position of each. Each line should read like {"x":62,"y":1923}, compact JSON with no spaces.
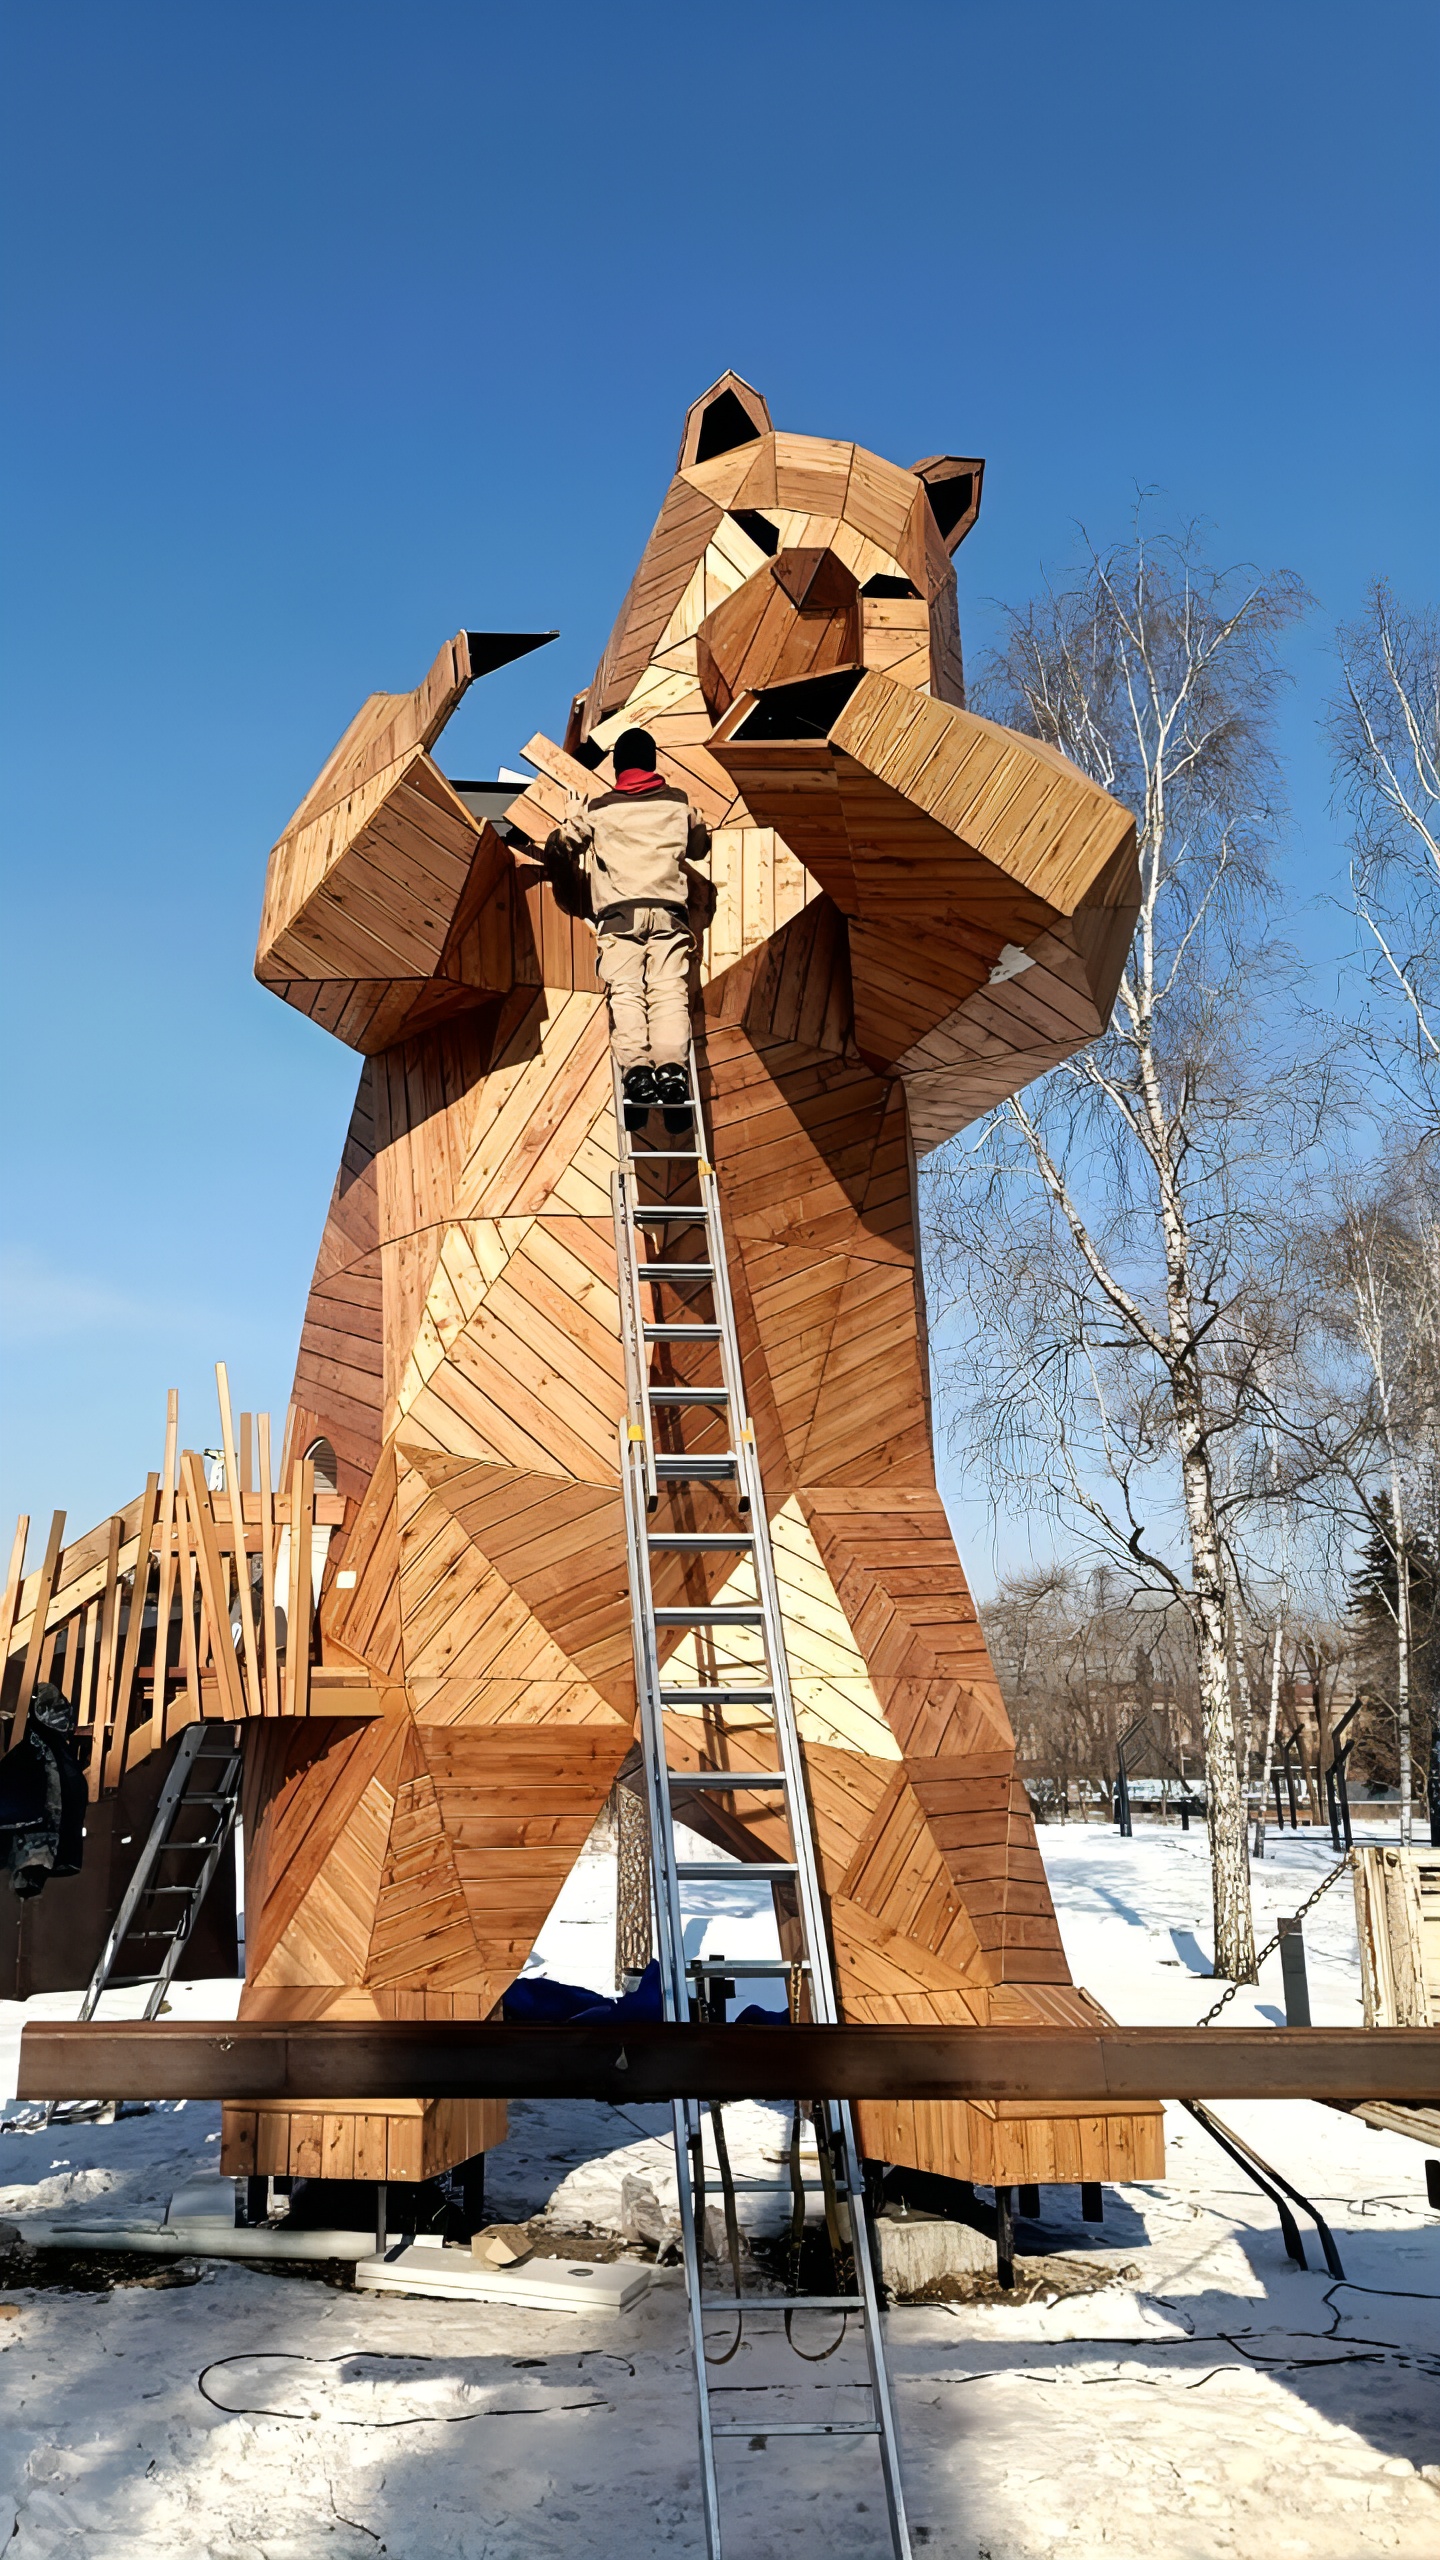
{"x":1108,"y":1241}
{"x":1384,"y":725}
{"x":1376,"y":1413}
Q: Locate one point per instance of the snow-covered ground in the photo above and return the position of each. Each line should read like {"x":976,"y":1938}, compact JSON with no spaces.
{"x":1217,"y":2401}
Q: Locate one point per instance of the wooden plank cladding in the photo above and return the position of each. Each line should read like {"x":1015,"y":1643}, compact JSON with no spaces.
{"x":914,"y":814}
{"x":406,"y":2140}
{"x":909,"y":913}
{"x":387,"y":903}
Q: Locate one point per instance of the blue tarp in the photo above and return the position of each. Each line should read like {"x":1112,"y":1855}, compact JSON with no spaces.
{"x":538,"y":2001}
{"x":534,"y":1998}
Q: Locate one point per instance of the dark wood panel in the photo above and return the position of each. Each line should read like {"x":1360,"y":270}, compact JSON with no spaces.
{"x":184,"y":2058}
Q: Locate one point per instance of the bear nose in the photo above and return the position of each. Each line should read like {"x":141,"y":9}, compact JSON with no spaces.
{"x":798,"y":616}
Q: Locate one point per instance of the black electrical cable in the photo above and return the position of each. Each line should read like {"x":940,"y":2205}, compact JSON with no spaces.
{"x":362,"y":2355}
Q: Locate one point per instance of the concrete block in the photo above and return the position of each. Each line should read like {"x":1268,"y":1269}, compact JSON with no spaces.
{"x":916,"y":2249}
{"x":541,"y":2284}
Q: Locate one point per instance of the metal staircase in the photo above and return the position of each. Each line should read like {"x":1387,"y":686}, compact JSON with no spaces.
{"x":693,"y":1258}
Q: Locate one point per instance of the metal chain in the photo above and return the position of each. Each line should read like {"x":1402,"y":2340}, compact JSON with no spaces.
{"x":1272,"y":1943}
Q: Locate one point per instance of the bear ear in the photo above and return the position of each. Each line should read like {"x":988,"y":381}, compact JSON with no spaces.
{"x":952,"y":486}
{"x":729,"y":413}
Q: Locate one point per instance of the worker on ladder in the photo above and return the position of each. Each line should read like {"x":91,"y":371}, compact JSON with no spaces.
{"x":635,"y":841}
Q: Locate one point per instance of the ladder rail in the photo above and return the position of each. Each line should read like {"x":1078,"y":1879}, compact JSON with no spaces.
{"x":171,"y":1801}
{"x":627,"y":1261}
{"x":200,"y":1887}
{"x":643,"y":1470}
{"x":670,"y":1929}
{"x":669,"y":1924}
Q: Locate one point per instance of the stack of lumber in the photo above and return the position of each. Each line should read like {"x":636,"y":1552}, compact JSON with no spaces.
{"x":151,"y":1621}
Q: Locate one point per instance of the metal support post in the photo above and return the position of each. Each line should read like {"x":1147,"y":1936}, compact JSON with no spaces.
{"x":1292,"y":1973}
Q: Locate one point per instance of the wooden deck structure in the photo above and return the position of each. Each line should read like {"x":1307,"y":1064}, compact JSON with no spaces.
{"x":133,"y":1621}
{"x":911,"y":914}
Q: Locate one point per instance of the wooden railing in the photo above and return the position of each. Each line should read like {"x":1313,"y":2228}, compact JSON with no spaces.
{"x":150,"y":1621}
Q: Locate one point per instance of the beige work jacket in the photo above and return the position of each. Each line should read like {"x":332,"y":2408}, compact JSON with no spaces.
{"x":636,"y":844}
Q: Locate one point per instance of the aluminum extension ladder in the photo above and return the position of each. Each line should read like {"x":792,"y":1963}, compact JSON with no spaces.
{"x":734,"y":1471}
{"x":171,"y":1907}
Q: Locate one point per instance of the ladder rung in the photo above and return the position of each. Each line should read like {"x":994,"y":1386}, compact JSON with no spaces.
{"x":681,"y":1332}
{"x":780,"y":2187}
{"x":664,"y":1155}
{"x":814,"y":2427}
{"x":194,"y":1797}
{"x":688,"y":1395}
{"x":676,"y":1470}
{"x":718,"y":2302}
{"x":717,"y":1697}
{"x":155,"y":1890}
{"x":717,"y":1617}
{"x":748,"y":1966}
{"x":722,"y":1780}
{"x":699,"y":1542}
{"x":675,"y":1271}
{"x":693,"y":1210}
{"x":700,"y":1871}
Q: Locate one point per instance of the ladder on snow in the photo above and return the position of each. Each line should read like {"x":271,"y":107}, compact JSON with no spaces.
{"x":733,"y":1471}
{"x":176,"y":1867}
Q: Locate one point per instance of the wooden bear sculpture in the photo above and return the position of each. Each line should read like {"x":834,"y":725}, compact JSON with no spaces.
{"x":914,"y":913}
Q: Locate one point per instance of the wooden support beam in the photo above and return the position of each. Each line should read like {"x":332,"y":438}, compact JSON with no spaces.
{"x":1113,"y":2067}
{"x":31,"y":1668}
{"x":14,"y":1584}
{"x":236,"y":1489}
{"x":159,"y":1697}
{"x":214,"y":1587}
{"x":270,"y":1699}
{"x":118,"y":1707}
{"x":105,"y":1677}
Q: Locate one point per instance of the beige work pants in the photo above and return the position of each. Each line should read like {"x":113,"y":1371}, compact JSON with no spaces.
{"x":643,"y":957}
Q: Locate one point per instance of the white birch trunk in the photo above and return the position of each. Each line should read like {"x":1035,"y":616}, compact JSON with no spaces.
{"x":1271,"y":1722}
{"x":1402,"y":1651}
{"x":1224,"y":1803}
{"x":1224,"y":1810}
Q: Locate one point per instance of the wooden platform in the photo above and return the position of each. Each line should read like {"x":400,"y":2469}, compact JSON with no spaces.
{"x":392,"y":2141}
{"x":910,"y":914}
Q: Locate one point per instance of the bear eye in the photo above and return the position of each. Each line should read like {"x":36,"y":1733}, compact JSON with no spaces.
{"x":762,"y":532}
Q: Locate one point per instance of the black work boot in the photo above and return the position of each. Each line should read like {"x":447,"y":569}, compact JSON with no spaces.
{"x":641,"y":1094}
{"x":672,"y":1089}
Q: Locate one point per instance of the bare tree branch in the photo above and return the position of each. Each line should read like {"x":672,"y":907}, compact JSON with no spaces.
{"x":1111,"y":1237}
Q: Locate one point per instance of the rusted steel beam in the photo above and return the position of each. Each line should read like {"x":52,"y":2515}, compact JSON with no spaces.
{"x":309,"y":2062}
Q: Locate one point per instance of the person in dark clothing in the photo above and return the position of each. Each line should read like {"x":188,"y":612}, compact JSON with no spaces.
{"x":43,"y":1796}
{"x":634,"y":842}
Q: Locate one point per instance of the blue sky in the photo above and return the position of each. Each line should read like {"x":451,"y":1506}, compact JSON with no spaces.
{"x":332,"y":327}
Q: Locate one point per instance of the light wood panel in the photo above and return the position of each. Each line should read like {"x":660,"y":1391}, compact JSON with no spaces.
{"x":912,"y":813}
{"x":396,"y":2141}
{"x":798,"y":616}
